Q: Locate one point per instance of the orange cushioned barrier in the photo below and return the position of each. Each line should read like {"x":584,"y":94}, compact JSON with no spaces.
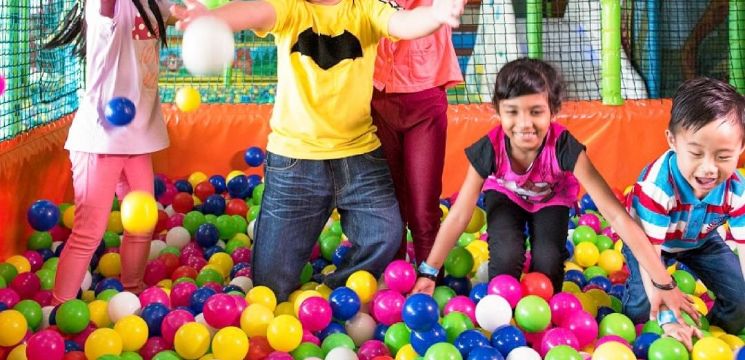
{"x":620,"y":141}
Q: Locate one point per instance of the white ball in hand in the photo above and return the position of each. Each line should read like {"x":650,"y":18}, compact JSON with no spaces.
{"x":208,"y":46}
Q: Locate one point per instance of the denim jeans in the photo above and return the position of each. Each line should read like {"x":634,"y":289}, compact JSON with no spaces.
{"x":299,"y":196}
{"x":717,"y":267}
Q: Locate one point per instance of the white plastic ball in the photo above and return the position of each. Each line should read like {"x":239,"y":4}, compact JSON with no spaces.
{"x":492,"y":312}
{"x":178,"y":237}
{"x":208,"y":46}
{"x":123,"y":304}
{"x":523,"y":353}
{"x":156,"y":246}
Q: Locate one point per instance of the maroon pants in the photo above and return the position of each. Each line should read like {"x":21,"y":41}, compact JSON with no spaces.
{"x":413,"y":128}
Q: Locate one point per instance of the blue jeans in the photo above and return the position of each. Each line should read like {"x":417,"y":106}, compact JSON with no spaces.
{"x":299,"y":196}
{"x":717,"y":267}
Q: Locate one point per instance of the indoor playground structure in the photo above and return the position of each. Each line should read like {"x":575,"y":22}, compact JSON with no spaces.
{"x":621,"y":60}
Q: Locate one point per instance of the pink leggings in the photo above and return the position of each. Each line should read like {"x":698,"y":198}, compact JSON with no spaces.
{"x":96,"y":177}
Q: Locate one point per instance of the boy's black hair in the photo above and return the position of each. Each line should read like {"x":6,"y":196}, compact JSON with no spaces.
{"x":699,"y":101}
{"x":72,"y":28}
{"x":527,"y":77}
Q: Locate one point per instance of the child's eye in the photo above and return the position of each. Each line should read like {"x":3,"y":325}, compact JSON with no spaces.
{"x":537,"y":113}
{"x":695,"y":154}
{"x":724,"y":158}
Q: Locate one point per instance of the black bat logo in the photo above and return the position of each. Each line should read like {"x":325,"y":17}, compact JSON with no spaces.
{"x":326,"y":50}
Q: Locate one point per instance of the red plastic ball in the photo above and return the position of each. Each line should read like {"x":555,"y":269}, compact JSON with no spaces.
{"x":236,"y":207}
{"x":538,"y":284}
{"x":184,"y":271}
{"x":183,"y":202}
{"x":203,"y":190}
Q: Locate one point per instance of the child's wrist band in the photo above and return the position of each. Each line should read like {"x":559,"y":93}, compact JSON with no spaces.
{"x":426,"y":269}
{"x":665,"y":317}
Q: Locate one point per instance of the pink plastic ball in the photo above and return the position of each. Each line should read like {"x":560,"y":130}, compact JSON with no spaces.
{"x":461,"y":304}
{"x":153,"y":346}
{"x":9,"y":297}
{"x":26,"y":285}
{"x":220,"y":311}
{"x":590,"y":220}
{"x":60,"y":233}
{"x":278,"y":355}
{"x":214,"y":286}
{"x":400,"y":276}
{"x":43,"y":297}
{"x":528,"y":261}
{"x":310,"y":338}
{"x":507,"y":287}
{"x":315,"y":252}
{"x":154,"y":295}
{"x":612,"y":338}
{"x":241,"y":255}
{"x":246,"y":271}
{"x":609,"y":233}
{"x":166,"y":198}
{"x":155,"y":271}
{"x":197,"y":262}
{"x":372,"y":348}
{"x":45,"y":345}
{"x":172,"y":321}
{"x":314,"y":313}
{"x":556,"y":337}
{"x":35,"y":259}
{"x":181,"y":293}
{"x":174,"y":220}
{"x":563,"y":305}
{"x":386,"y":307}
{"x":584,"y":327}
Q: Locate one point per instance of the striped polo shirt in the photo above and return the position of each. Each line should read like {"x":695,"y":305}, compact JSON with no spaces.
{"x":671,"y":215}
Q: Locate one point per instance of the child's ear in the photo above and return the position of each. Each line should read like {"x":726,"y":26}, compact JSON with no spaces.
{"x":670,"y":139}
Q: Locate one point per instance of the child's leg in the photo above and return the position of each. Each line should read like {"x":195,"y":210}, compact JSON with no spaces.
{"x":369,"y":214}
{"x":297,"y":202}
{"x":719,"y":269}
{"x":94,"y":179}
{"x":506,"y":221}
{"x":137,"y":175}
{"x":386,"y":112}
{"x":424,"y":159}
{"x":635,"y":301}
{"x":548,"y":237}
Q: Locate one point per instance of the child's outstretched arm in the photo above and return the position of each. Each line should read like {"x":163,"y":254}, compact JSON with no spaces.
{"x":451,"y":229}
{"x":635,"y":238}
{"x":424,"y":20}
{"x":254,"y":15}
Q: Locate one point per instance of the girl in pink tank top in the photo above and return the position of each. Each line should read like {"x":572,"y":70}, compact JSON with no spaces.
{"x":530,"y":169}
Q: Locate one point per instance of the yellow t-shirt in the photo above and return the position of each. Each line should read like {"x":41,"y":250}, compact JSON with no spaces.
{"x":325,"y":63}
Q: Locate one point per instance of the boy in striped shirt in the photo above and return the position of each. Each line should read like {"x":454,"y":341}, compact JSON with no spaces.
{"x":685,"y":195}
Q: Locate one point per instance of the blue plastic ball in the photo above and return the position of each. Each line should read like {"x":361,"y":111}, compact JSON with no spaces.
{"x":345,"y":303}
{"x":153,"y":315}
{"x":461,"y":286}
{"x":207,"y":235}
{"x":642,"y":344}
{"x":586,"y":203}
{"x":238,"y":187}
{"x":119,"y":111}
{"x":576,"y":277}
{"x":159,"y":187}
{"x":617,"y":290}
{"x":238,"y":267}
{"x":422,"y":340}
{"x":199,"y":297}
{"x":214,"y":204}
{"x":109,"y":283}
{"x":469,"y":340}
{"x":183,"y":186}
{"x":601,"y":282}
{"x":71,"y":345}
{"x":332,"y":328}
{"x":478,"y":292}
{"x":253,"y":181}
{"x":485,"y":353}
{"x":212,"y":250}
{"x":218,"y":182}
{"x":254,"y":156}
{"x":43,"y":215}
{"x":339,"y":254}
{"x":420,"y":312}
{"x":380,"y":330}
{"x":506,"y":338}
{"x":603,"y":311}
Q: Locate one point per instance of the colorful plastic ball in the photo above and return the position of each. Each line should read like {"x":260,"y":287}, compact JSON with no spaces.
{"x":230,"y":343}
{"x":590,"y":220}
{"x":532,"y":313}
{"x":364,"y":284}
{"x":397,"y":337}
{"x":26,"y":285}
{"x":192,"y":340}
{"x":386,"y":306}
{"x":337,"y":340}
{"x":423,"y":340}
{"x":711,"y":348}
{"x":455,"y":324}
{"x":584,"y":326}
{"x":372,"y":350}
{"x":284,"y":333}
{"x":133,"y":331}
{"x":43,"y":215}
{"x":361,"y":328}
{"x":45,"y":345}
{"x":469,"y":340}
{"x":461,"y":304}
{"x":207,"y":235}
{"x":492,"y":312}
{"x":333,"y":328}
{"x":461,"y":286}
{"x":563,"y":352}
{"x":119,"y":111}
{"x":507,"y":338}
{"x":420,"y":312}
{"x":442,"y":351}
{"x":536,"y":283}
{"x":31,"y":311}
{"x":188,"y":99}
{"x":72,"y":316}
{"x":214,"y":204}
{"x":220,"y":310}
{"x":484,"y":353}
{"x":254,"y":156}
{"x":139,"y":213}
{"x":262,"y":295}
{"x":459,"y":262}
{"x":153,"y":315}
{"x":507,"y":287}
{"x":400,"y":276}
{"x":14,"y":327}
{"x":123,"y":304}
{"x":618,"y":324}
{"x":103,"y":342}
{"x":557,"y":337}
{"x":314,"y":313}
{"x":586,"y":254}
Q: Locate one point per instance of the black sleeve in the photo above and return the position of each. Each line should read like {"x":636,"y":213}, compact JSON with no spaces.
{"x":481,"y":156}
{"x":568,"y":149}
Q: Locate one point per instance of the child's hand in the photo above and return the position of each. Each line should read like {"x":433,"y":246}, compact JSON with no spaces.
{"x":187,"y":14}
{"x":424,"y":285}
{"x":682,"y":333}
{"x":448,"y":11}
{"x":674,"y":300}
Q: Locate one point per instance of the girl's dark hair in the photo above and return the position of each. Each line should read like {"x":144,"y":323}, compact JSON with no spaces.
{"x":699,"y":101}
{"x":72,"y":28}
{"x":527,"y":77}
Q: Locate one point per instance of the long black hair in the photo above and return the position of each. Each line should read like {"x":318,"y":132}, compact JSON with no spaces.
{"x":72,"y":28}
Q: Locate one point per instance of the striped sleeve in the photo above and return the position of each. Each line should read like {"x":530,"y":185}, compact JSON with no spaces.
{"x":650,"y":204}
{"x":736,"y":200}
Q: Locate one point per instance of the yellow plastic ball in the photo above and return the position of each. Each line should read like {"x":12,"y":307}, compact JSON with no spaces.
{"x":618,"y":246}
{"x":716,"y":331}
{"x":324,"y":290}
{"x":68,"y":217}
{"x":115,"y":223}
{"x":99,"y":311}
{"x":192,"y":340}
{"x":165,"y":284}
{"x":233,"y":174}
{"x":14,"y":327}
{"x":568,"y":265}
{"x":571,"y":287}
{"x":243,"y":238}
{"x":88,"y":296}
{"x":407,"y":352}
{"x":613,"y":350}
{"x":478,"y":219}
{"x":588,"y":303}
{"x":600,"y":297}
{"x":310,"y":285}
{"x":110,"y":265}
{"x":586,"y":254}
{"x":700,"y":288}
{"x":223,"y":261}
{"x":102,"y":342}
{"x":328,"y":269}
{"x":134,"y":332}
{"x":19,"y":262}
{"x":699,"y":305}
{"x":671,"y":269}
{"x":478,"y":249}
{"x":230,"y":343}
{"x":262,"y":295}
{"x":364,"y":284}
{"x":255,"y":319}
{"x":444,"y":210}
{"x":611,"y":261}
{"x":284,"y":308}
{"x":18,"y":353}
{"x":197,"y":200}
{"x":196,"y":178}
{"x":188,"y":99}
{"x":711,"y":348}
{"x":733,"y":341}
{"x":139,"y":213}
{"x":284,"y":333}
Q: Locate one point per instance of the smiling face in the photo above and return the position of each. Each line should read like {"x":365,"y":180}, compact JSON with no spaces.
{"x":708,"y":156}
{"x":525,"y":120}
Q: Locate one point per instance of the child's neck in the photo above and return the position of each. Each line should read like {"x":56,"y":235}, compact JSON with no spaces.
{"x":521,"y":160}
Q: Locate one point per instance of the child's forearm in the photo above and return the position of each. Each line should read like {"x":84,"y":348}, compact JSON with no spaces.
{"x":413,"y":24}
{"x":446,"y":238}
{"x":644,"y":251}
{"x":247,"y":15}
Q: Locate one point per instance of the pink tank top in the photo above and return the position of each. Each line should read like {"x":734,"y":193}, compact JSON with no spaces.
{"x":543,"y":184}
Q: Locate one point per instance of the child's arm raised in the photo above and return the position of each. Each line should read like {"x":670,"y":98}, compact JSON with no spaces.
{"x":254,"y":15}
{"x":424,"y":20}
{"x":451,"y":229}
{"x":635,"y":238}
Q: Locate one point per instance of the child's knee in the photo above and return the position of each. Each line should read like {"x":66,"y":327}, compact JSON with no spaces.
{"x":734,"y":322}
